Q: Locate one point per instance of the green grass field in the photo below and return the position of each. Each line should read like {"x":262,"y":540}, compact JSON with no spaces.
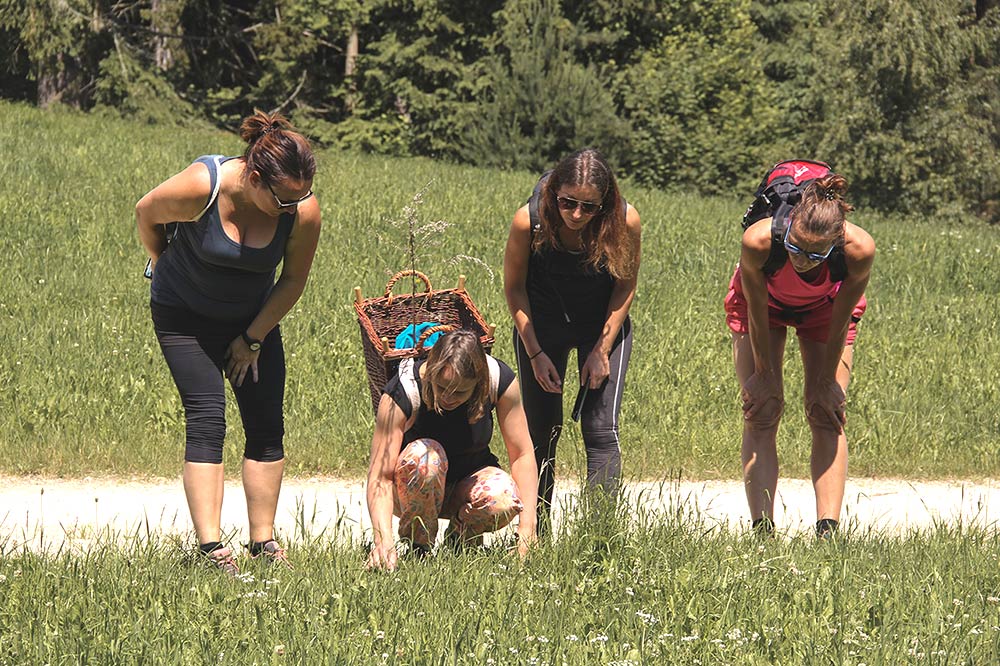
{"x":669,"y":592}
{"x":84,"y":389}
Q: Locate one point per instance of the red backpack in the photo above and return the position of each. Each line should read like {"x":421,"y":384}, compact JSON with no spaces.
{"x":776,"y":196}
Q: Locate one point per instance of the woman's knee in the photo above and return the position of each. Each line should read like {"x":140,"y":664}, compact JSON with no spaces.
{"x":206,"y":432}
{"x":265,"y":448}
{"x":768,"y":416}
{"x":492,"y":502}
{"x":422,"y":460}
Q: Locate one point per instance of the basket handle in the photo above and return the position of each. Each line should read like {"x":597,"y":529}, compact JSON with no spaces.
{"x":401,"y":274}
{"x":429,"y":332}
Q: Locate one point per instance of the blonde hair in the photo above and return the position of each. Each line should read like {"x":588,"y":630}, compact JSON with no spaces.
{"x":460,"y":352}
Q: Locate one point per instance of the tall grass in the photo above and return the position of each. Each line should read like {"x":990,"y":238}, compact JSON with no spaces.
{"x":84,"y":389}
{"x":609,"y":592}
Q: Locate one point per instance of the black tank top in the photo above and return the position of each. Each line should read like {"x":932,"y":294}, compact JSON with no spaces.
{"x":563,"y":289}
{"x":205,"y":271}
{"x":467,"y":445}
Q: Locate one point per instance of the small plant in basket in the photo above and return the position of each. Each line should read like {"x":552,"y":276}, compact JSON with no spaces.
{"x":383,"y":318}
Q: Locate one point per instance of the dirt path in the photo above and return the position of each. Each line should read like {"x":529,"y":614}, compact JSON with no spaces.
{"x":47,"y":513}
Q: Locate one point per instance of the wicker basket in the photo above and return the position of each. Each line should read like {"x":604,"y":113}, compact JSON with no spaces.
{"x":383,"y":318}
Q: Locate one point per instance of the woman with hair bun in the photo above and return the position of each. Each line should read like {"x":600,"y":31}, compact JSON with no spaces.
{"x":216,"y":308}
{"x":819,"y":291}
{"x":431,"y":458}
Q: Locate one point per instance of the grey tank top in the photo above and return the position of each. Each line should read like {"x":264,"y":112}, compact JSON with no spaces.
{"x":206,"y":272}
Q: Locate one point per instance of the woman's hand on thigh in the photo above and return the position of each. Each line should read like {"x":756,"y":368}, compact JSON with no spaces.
{"x":546,"y":374}
{"x":240,"y":360}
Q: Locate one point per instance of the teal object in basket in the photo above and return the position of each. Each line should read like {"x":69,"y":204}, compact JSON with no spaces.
{"x":410,"y":335}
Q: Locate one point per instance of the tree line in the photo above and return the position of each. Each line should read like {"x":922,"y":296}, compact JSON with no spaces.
{"x":903,"y":97}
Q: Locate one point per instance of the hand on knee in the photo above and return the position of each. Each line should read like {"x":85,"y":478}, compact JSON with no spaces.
{"x":767,"y":415}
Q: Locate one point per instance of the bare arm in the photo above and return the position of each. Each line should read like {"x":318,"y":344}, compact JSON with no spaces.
{"x":859,"y":250}
{"x":177,"y":199}
{"x":754,"y":251}
{"x":515,"y":276}
{"x":390,"y":426}
{"x":596,"y":368}
{"x":299,"y":252}
{"x":762,"y":386}
{"x":521,"y":453}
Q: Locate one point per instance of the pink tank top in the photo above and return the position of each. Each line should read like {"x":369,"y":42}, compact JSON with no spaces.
{"x":786,"y":288}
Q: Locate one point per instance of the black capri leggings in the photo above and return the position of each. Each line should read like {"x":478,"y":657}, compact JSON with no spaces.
{"x":598,"y":419}
{"x":195,"y":348}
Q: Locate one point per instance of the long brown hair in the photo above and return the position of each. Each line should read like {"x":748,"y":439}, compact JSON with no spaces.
{"x":605,"y":239}
{"x":822,"y":209}
{"x":460,"y":352}
{"x":274,"y":150}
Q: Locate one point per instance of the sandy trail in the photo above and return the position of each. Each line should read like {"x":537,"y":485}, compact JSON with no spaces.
{"x":45,"y":513}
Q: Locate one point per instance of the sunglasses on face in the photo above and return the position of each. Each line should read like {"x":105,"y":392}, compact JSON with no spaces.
{"x":586,"y":207}
{"x":287,"y":204}
{"x":796,"y":250}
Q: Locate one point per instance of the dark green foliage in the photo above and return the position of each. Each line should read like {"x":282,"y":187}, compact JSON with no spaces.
{"x":534,"y":102}
{"x":701,"y":110}
{"x":902,"y":97}
{"x":898,"y":113}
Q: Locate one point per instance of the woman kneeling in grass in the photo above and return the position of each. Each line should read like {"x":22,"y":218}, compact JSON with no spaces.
{"x":819,"y":290}
{"x":431,"y":458}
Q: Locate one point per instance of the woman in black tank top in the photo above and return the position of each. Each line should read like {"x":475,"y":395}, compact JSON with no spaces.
{"x":216,"y":308}
{"x":570,"y":270}
{"x":430,"y":453}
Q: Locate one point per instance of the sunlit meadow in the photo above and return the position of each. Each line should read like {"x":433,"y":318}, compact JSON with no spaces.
{"x":84,"y":389}
{"x":605,"y":592}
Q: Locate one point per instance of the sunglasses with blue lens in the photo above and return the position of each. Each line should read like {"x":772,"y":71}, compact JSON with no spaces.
{"x":795,"y":249}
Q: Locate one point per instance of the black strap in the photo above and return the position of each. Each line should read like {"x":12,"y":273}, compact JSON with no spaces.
{"x":534,"y":201}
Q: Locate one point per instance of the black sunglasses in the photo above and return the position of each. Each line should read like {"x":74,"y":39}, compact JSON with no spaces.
{"x":287,"y":204}
{"x":586,"y":207}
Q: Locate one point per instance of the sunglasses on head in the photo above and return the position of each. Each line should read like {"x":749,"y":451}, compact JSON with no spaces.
{"x":586,"y":207}
{"x":796,"y":250}
{"x":287,"y":204}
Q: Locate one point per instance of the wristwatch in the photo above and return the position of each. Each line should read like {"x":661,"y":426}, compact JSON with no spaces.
{"x":254,"y":345}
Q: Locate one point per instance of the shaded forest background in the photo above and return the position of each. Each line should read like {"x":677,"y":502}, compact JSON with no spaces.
{"x":901,"y":96}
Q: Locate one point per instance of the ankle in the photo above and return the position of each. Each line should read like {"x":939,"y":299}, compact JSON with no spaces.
{"x":763,"y":526}
{"x":826,"y":527}
{"x":210,"y":546}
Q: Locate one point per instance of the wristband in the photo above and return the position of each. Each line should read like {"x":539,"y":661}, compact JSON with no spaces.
{"x":254,"y":345}
{"x":533,"y":356}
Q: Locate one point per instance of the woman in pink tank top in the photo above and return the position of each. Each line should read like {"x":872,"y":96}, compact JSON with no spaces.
{"x":810,"y":293}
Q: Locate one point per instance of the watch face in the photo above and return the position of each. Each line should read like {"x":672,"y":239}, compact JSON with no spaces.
{"x":254,"y":346}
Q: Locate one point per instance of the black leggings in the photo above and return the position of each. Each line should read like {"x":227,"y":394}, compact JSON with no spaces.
{"x":195,"y":349}
{"x":598,"y":419}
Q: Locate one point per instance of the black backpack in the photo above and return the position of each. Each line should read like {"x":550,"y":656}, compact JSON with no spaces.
{"x":776,"y":196}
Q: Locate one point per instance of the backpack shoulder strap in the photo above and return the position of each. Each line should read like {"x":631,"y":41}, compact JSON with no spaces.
{"x":838,"y":265}
{"x":494,"y":367}
{"x":534,"y":201}
{"x":408,"y":380}
{"x":778,"y":255}
{"x":213,"y":162}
